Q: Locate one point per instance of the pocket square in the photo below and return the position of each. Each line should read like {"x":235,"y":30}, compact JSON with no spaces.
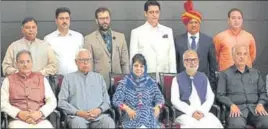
{"x":165,"y":36}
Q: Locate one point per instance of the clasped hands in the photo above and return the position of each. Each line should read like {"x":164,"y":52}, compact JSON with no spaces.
{"x":89,"y":115}
{"x":30,"y":117}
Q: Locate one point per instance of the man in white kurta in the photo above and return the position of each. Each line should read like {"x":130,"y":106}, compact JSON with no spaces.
{"x":154,"y":41}
{"x":65,"y":42}
{"x":194,"y":110}
{"x":26,"y":96}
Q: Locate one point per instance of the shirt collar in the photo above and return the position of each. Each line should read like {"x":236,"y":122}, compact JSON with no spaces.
{"x":151,"y":27}
{"x":196,"y":35}
{"x":109,"y":32}
{"x":68,"y":34}
{"x":234,"y":68}
{"x":28,"y":41}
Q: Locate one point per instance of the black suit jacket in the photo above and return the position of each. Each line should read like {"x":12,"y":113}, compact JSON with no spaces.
{"x":206,"y":53}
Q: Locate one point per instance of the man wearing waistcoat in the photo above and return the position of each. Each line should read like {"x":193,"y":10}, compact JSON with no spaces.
{"x":242,"y":90}
{"x":26,"y":96}
{"x":192,"y":96}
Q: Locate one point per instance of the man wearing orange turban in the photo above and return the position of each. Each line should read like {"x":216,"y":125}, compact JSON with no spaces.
{"x":192,"y":114}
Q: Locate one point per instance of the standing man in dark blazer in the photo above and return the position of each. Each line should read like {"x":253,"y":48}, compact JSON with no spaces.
{"x":195,"y":40}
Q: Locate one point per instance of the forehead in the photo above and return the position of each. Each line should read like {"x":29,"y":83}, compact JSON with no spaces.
{"x":235,"y":13}
{"x":24,"y":56}
{"x":240,"y":49}
{"x":83,"y":54}
{"x":103,"y":14}
{"x":64,"y":14}
{"x":153,"y":8}
{"x":30,"y":23}
{"x":190,"y":55}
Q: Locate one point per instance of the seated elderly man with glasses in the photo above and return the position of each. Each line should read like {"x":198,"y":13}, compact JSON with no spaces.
{"x":192,"y":96}
{"x":83,"y":96}
{"x":26,"y":96}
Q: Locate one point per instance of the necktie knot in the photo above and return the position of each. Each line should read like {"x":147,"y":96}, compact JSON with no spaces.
{"x":193,"y":44}
{"x":193,"y":37}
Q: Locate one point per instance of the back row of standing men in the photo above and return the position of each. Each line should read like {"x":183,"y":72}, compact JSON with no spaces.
{"x":56,"y":53}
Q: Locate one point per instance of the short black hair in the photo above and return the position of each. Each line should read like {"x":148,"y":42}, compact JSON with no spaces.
{"x":101,"y":9}
{"x":23,"y":51}
{"x":140,"y":58}
{"x":28,"y":19}
{"x":235,"y":9}
{"x":151,"y":3}
{"x":62,"y":10}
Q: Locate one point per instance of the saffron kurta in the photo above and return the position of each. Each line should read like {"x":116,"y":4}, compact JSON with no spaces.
{"x":224,"y":41}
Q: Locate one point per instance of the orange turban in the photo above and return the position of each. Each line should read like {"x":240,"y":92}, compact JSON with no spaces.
{"x":190,"y":13}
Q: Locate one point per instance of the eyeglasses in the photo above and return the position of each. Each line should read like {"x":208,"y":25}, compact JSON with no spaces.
{"x":191,"y":60}
{"x":22,"y":62}
{"x":85,"y":60}
{"x":103,"y":18}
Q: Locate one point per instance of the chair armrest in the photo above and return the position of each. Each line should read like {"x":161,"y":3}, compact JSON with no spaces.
{"x":111,"y":112}
{"x":223,"y":114}
{"x":5,"y":119}
{"x":118,"y":112}
{"x":166,"y":116}
{"x":218,"y":110}
{"x":55,"y":114}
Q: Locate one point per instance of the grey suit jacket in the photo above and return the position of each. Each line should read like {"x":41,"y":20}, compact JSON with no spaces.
{"x":103,"y":62}
{"x":206,"y":54}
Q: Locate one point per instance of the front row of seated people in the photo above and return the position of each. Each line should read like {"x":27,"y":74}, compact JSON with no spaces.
{"x":27,"y":97}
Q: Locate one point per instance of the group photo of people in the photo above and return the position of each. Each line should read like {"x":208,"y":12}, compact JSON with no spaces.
{"x":157,"y":79}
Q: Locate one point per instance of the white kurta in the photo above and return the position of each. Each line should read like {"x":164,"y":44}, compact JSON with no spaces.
{"x":65,"y":48}
{"x":12,"y":111}
{"x":157,"y":46}
{"x":186,"y":120}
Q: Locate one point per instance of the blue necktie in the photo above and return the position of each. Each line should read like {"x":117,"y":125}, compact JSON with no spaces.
{"x":193,"y":44}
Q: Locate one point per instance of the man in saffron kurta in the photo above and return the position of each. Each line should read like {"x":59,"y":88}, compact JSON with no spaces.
{"x":224,"y":41}
{"x":192,"y":96}
{"x":26,"y":96}
{"x":83,"y":96}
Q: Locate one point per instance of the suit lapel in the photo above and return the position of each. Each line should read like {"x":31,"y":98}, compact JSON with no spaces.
{"x":199,"y":44}
{"x":114,"y":41}
{"x":99,"y":37}
{"x":186,"y":42}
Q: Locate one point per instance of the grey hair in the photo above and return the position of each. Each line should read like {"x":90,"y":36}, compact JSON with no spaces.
{"x":189,"y":51}
{"x":23,"y":52}
{"x":82,"y":50}
{"x":239,"y":46}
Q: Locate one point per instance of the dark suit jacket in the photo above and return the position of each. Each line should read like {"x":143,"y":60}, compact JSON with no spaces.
{"x":206,"y":54}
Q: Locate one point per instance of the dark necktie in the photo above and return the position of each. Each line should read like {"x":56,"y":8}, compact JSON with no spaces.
{"x":193,"y":44}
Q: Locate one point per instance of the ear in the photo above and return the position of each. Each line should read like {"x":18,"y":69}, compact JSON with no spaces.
{"x":145,"y":14}
{"x":96,"y":20}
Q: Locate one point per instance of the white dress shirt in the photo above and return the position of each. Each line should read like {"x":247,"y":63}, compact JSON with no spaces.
{"x":195,"y":103}
{"x":50,"y":100}
{"x":65,"y":48}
